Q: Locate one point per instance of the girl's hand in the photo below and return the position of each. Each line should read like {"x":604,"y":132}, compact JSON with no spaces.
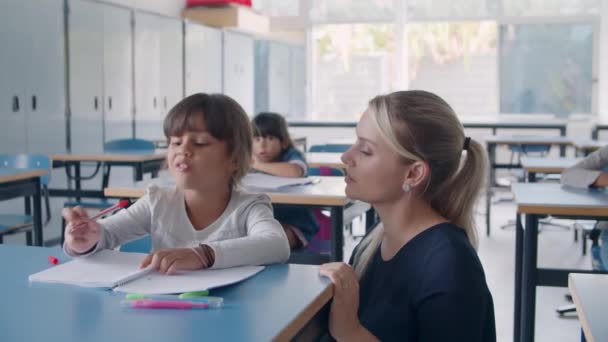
{"x":169,"y":261}
{"x":81,"y":234}
{"x":343,"y":317}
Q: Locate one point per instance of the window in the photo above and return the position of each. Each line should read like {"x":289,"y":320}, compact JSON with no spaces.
{"x":351,"y":64}
{"x":456,"y":61}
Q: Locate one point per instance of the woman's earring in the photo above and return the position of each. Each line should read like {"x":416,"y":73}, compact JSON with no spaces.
{"x":406,"y":187}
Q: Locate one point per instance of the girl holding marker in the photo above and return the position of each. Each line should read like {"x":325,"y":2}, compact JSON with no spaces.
{"x":206,"y":220}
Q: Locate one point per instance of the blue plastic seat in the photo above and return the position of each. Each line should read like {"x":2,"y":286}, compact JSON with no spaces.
{"x":331,"y":148}
{"x":17,"y":223}
{"x":128,"y":146}
{"x":124,"y":146}
{"x":141,"y":245}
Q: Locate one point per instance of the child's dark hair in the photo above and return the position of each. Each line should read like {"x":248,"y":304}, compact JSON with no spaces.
{"x":272,"y":124}
{"x":225,"y":120}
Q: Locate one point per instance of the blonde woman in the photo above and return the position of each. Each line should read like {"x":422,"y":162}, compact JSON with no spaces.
{"x":417,"y":276}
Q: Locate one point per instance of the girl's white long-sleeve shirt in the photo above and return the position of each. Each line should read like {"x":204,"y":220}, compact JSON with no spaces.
{"x":245,"y":234}
{"x":586,"y":172}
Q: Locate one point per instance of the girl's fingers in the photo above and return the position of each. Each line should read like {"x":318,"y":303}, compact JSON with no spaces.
{"x":147,"y":260}
{"x":174,"y":266}
{"x":81,"y":212}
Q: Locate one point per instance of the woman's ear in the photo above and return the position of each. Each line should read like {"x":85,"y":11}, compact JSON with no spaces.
{"x":416,"y":173}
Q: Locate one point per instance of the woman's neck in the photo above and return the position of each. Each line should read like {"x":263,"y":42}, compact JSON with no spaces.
{"x":203,"y":208}
{"x":403,"y":220}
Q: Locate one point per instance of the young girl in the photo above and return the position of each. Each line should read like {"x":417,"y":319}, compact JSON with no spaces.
{"x":205,"y":221}
{"x":416,"y":276}
{"x":274,"y":153}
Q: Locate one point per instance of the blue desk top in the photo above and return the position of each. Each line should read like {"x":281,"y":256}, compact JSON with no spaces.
{"x":257,"y":309}
{"x":556,"y":195}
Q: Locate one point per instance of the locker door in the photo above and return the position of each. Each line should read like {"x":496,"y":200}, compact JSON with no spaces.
{"x":298,"y":82}
{"x":12,"y":65}
{"x":279,"y":79}
{"x":45,"y":77}
{"x":238,"y":69}
{"x":171,"y":67}
{"x":212,"y":61}
{"x":194,"y":41}
{"x":117,"y":70}
{"x":86,"y":76}
{"x":203,"y":70}
{"x":147,"y":76}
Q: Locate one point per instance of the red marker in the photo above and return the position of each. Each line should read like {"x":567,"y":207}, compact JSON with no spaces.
{"x":53,"y":260}
{"x":116,"y":206}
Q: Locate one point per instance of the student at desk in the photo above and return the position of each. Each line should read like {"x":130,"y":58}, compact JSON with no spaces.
{"x":206,"y":220}
{"x":274,"y":153}
{"x":416,"y":276}
{"x":591,"y":172}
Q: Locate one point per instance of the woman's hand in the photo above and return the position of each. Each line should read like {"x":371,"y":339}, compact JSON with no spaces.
{"x":169,"y":261}
{"x":343,"y":317}
{"x":81,"y":234}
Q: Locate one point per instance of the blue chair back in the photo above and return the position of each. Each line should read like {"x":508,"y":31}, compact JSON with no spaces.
{"x":526,"y":148}
{"x":141,"y":245}
{"x":129,"y":145}
{"x":28,"y":161}
{"x":332,"y":148}
{"x":325,"y":171}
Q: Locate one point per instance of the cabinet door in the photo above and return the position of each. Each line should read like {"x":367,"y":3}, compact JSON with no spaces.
{"x":171,"y":66}
{"x":45,"y":77}
{"x":12,"y":64}
{"x":147,"y":75}
{"x":298,"y":82}
{"x":117,"y":69}
{"x":203,"y":69}
{"x":238,"y":69}
{"x":86,"y":76}
{"x":279,"y":79}
{"x":261,"y":75}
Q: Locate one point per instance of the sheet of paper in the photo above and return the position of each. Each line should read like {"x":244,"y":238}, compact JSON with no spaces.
{"x":156,"y":283}
{"x":102,"y":269}
{"x":265,"y":181}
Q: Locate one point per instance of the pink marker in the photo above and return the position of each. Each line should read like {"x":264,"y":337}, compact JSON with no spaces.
{"x":164,"y":304}
{"x":116,"y":206}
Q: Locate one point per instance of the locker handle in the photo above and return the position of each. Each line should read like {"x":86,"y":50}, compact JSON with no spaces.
{"x":95,"y":103}
{"x":34,"y":102}
{"x":154,"y":101}
{"x":110,"y":102}
{"x":15,"y":103}
{"x":165,"y":102}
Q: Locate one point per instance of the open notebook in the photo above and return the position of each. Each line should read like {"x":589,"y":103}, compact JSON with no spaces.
{"x":120,"y":271}
{"x":259,"y":180}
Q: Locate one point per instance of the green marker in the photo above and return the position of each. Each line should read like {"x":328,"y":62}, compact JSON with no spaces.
{"x":194,"y":294}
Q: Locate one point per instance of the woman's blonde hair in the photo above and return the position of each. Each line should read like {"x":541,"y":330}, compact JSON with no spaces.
{"x":225,"y":120}
{"x":421,"y":126}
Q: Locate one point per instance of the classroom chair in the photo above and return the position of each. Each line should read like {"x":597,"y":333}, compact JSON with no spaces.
{"x":16,"y":223}
{"x":141,"y":245}
{"x":118,"y":146}
{"x":331,"y":148}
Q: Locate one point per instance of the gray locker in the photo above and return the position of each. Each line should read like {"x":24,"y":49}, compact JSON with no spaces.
{"x":158,"y":71}
{"x":100,"y":75}
{"x":203,"y":49}
{"x":279,"y":78}
{"x":238,"y":68}
{"x":32,"y":81}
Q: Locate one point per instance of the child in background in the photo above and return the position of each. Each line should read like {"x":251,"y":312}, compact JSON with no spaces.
{"x":205,"y":221}
{"x":275,"y":154}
